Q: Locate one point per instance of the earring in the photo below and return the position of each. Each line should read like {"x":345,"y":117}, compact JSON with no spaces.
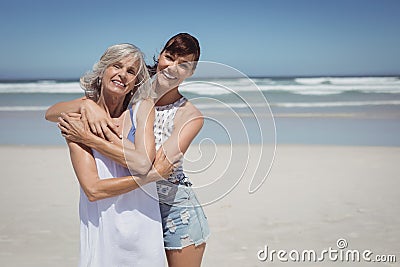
{"x":99,"y":82}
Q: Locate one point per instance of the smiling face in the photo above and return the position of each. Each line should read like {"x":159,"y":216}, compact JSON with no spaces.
{"x":120,"y":77}
{"x":173,"y":69}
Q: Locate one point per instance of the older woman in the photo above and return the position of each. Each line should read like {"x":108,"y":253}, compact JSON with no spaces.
{"x":119,"y":226}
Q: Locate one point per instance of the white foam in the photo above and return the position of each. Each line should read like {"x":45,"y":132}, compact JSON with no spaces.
{"x":23,"y":108}
{"x":41,"y":87}
{"x":242,"y":105}
{"x":336,"y":104}
{"x":365,"y":80}
{"x":204,"y":106}
{"x":302,"y":86}
{"x":322,"y":89}
{"x":205,"y":89}
{"x":348,"y":80}
{"x":307,"y":86}
{"x":230,"y":105}
{"x":311,"y":81}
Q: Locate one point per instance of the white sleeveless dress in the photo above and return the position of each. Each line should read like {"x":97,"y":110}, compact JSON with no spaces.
{"x":124,"y":230}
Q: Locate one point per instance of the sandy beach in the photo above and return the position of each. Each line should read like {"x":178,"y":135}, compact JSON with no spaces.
{"x":313,"y":196}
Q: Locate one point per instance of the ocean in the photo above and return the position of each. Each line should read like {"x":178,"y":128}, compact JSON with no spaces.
{"x":287,"y":110}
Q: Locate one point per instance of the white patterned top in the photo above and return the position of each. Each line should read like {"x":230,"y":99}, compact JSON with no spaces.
{"x":163,"y":127}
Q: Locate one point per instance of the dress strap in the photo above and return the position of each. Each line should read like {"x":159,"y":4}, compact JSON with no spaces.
{"x":132,"y":131}
{"x":134,"y":112}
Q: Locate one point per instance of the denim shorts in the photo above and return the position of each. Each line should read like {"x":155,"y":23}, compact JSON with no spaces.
{"x":183,"y":219}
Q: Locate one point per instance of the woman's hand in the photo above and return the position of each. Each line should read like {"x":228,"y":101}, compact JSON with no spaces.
{"x":74,"y":127}
{"x":162,"y":167}
{"x":99,"y":121}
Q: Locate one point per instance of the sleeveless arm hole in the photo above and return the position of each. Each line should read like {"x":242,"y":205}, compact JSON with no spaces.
{"x":132,"y":131}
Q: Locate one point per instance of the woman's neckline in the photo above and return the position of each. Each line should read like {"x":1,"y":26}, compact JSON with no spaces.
{"x":177,"y":103}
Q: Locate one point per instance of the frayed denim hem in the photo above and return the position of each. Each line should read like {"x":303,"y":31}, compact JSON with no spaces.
{"x":196,"y":244}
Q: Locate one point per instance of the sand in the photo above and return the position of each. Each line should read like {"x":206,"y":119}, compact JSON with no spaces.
{"x":313,"y":196}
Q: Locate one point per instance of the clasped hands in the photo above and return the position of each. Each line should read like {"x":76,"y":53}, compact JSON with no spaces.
{"x":86,"y":126}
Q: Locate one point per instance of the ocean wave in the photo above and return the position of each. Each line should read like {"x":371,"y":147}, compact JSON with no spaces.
{"x":365,"y":80}
{"x":23,"y":108}
{"x":264,"y":81}
{"x":349,"y":80}
{"x":204,"y":106}
{"x":298,"y":104}
{"x":40,"y":87}
{"x":336,"y":104}
{"x":320,"y":89}
{"x":301,"y":86}
{"x":203,"y":88}
{"x":328,"y":89}
{"x":311,"y":81}
{"x":47,"y":81}
{"x":244,"y":105}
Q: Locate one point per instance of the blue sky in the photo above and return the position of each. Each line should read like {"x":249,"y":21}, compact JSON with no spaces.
{"x":62,"y":39}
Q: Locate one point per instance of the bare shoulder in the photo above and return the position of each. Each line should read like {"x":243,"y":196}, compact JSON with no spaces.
{"x":146,"y":108}
{"x":189,"y":112}
{"x":148,"y":102}
{"x":145,"y":105}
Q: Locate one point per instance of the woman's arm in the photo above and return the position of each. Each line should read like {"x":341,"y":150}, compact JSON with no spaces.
{"x":188,"y":122}
{"x":137,"y":157}
{"x":95,"y":188}
{"x":140,"y":155}
{"x":98,"y":119}
{"x":73,"y":106}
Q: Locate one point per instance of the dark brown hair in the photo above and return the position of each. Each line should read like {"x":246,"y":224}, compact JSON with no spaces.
{"x":182,"y":44}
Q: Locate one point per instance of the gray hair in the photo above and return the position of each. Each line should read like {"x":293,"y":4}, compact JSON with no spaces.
{"x":91,"y":81}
